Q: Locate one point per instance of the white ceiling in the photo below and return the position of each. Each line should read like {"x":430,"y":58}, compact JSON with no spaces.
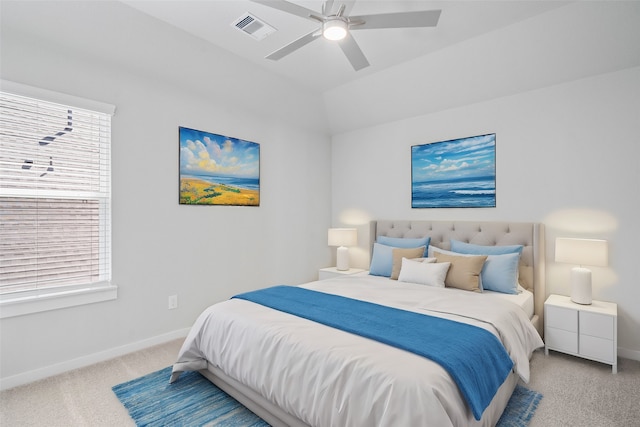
{"x":322,"y":66}
{"x":190,"y":44}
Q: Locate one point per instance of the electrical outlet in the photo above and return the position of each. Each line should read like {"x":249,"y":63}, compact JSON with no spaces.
{"x":173,"y":302}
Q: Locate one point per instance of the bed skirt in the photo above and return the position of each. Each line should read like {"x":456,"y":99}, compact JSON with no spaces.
{"x":276,"y":417}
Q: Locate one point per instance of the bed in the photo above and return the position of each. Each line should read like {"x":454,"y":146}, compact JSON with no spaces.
{"x":295,"y":371}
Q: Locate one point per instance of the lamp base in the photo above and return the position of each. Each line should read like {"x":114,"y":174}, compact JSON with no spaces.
{"x":342,"y":258}
{"x":581,"y":285}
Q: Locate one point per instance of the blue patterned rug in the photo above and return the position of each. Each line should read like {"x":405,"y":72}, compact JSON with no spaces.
{"x":520,"y":409}
{"x":194,"y":401}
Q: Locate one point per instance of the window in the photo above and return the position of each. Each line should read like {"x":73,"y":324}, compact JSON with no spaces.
{"x":55,"y":199}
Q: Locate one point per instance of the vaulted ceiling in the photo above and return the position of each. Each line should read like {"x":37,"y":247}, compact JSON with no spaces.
{"x":480,"y":50}
{"x":321,"y":65}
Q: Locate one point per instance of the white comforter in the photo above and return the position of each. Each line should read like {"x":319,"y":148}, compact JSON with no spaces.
{"x":327,"y":377}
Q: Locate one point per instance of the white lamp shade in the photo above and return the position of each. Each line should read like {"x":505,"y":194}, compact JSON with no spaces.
{"x":342,"y":237}
{"x":582,"y":251}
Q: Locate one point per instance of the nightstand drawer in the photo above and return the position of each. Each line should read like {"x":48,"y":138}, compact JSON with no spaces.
{"x":596,"y":348}
{"x":562,"y":318}
{"x":596,"y":325}
{"x":561,"y":340}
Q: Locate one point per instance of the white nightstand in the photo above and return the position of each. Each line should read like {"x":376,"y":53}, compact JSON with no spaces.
{"x":331,"y":272}
{"x":589,"y":331}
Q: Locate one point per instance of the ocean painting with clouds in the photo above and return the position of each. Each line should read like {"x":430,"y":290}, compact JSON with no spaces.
{"x":460,"y":173}
{"x":218,"y":170}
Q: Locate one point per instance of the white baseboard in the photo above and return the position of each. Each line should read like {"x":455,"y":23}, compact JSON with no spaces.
{"x":81,"y":362}
{"x":629,"y":354}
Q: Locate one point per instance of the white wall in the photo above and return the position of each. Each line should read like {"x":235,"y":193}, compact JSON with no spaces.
{"x":567,"y":156}
{"x":160,"y":248}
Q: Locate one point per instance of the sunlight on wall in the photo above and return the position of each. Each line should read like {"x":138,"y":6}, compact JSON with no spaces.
{"x":354,"y":217}
{"x":583,"y":221}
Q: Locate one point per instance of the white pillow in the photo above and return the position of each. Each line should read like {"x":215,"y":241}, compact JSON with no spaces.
{"x":423,"y":273}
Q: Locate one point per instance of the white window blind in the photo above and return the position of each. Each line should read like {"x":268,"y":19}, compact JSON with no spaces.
{"x":55,"y":195}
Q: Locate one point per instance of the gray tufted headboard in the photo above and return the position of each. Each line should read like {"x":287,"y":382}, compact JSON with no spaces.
{"x":528,"y":234}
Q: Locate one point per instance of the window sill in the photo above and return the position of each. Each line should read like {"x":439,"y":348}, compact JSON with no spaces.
{"x":19,"y":304}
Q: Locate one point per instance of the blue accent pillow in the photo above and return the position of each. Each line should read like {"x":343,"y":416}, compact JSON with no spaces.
{"x":400,"y":242}
{"x":471,"y":249}
{"x":382,"y":259}
{"x":499,"y":272}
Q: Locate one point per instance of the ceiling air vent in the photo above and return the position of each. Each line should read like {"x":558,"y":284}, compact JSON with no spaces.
{"x":254,"y":26}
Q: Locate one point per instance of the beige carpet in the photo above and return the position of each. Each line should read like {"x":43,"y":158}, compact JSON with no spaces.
{"x":82,"y":397}
{"x":576,"y":392}
{"x":583,"y":393}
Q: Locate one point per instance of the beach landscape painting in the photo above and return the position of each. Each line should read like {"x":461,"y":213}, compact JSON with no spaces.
{"x":460,"y":173}
{"x":218,"y":170}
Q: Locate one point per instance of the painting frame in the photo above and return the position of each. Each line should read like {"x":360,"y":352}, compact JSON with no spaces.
{"x":456,"y":173}
{"x":217,"y":170}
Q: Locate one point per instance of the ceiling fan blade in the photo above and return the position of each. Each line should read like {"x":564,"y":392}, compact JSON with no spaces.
{"x":294,"y":45}
{"x":353,"y":52}
{"x":326,"y":7}
{"x":348,"y":5}
{"x":426,"y":18}
{"x":288,"y":7}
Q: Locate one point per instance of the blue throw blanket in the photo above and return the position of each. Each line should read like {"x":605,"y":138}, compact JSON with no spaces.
{"x":473,"y":356}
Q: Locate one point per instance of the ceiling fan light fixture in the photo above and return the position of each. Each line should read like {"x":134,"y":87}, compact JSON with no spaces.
{"x":335,"y":29}
{"x":335,"y":25}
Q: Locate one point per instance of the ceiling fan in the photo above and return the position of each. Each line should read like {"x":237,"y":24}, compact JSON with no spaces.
{"x":336,"y":25}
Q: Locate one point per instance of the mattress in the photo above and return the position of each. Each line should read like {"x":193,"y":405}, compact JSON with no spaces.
{"x":324,"y":376}
{"x":524,"y":299}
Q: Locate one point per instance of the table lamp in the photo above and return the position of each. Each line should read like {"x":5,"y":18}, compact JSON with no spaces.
{"x":582,"y":252}
{"x":342,"y":237}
